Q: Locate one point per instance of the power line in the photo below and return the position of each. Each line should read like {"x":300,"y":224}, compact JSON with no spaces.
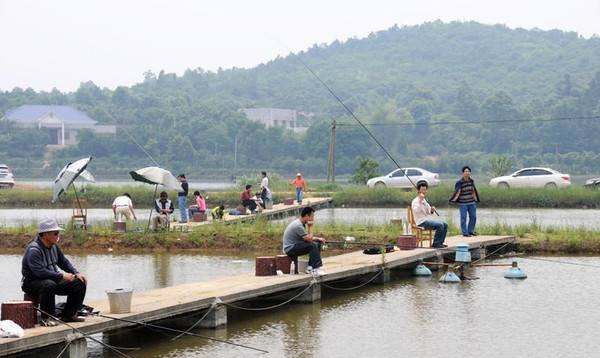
{"x":406,"y":124}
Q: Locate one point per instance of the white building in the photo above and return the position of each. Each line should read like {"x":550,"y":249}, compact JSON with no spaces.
{"x":278,"y":117}
{"x":62,"y":122}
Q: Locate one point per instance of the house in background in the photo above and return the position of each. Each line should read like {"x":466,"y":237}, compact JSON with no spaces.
{"x":62,"y":122}
{"x":277,"y":117}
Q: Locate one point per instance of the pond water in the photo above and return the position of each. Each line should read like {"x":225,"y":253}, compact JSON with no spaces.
{"x":553,"y":313}
{"x":546,"y":217}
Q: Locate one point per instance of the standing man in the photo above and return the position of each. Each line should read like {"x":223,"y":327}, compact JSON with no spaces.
{"x":298,"y":239}
{"x":422,"y":212}
{"x":42,"y":277}
{"x":300,"y":184}
{"x":465,"y":194}
{"x":123,"y":208}
{"x":265,"y":192}
{"x":182,"y":199}
{"x":163,"y":208}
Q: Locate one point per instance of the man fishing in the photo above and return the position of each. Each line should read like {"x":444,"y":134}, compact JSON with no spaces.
{"x":298,"y":239}
{"x":163,"y":208}
{"x":422,"y":212}
{"x":42,"y":277}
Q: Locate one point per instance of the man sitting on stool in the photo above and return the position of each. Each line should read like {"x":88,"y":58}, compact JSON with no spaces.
{"x":422,"y":212}
{"x":163,"y":208}
{"x":42,"y":278}
{"x":297,"y":240}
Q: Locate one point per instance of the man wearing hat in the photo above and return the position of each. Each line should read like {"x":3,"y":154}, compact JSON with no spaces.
{"x":42,"y":277}
{"x":300,"y":184}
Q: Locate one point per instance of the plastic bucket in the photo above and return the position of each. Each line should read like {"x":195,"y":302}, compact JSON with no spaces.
{"x":302,"y":265}
{"x":120,"y":300}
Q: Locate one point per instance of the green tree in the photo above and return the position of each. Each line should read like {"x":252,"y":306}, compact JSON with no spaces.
{"x":500,"y":165}
{"x":367,"y":168}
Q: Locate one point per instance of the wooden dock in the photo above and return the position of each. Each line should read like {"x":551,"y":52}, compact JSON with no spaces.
{"x":169,"y":302}
{"x":279,"y":211}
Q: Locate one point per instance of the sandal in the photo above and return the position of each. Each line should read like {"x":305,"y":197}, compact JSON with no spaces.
{"x":48,"y":323}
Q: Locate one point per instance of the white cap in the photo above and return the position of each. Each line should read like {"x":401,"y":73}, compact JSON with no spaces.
{"x":299,"y":175}
{"x":48,"y":225}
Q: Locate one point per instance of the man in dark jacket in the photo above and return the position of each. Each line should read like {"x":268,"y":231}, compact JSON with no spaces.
{"x":467,"y":197}
{"x":42,"y":277}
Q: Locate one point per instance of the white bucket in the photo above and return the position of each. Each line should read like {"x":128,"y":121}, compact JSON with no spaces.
{"x":302,"y":265}
{"x":120,"y":300}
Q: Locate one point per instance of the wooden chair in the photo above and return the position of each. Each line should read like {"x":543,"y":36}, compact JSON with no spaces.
{"x":421,"y":233}
{"x":79,"y":216}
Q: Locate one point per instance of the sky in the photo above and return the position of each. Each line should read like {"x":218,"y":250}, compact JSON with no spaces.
{"x":61,"y":43}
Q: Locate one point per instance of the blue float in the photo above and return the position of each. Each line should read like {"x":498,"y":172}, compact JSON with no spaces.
{"x":449,"y":277}
{"x":422,"y":270}
{"x":515,"y":272}
{"x":462,"y":253}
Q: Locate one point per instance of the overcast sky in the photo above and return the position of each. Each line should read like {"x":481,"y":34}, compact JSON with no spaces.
{"x":58,"y":43}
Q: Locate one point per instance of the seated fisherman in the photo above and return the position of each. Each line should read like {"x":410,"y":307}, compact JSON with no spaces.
{"x":42,"y":277}
{"x":247,"y":199}
{"x":163,"y":208}
{"x":298,"y":239}
{"x":123,"y":208}
{"x":422,"y":212}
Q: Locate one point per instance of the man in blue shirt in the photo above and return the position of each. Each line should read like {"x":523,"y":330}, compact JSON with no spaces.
{"x":42,"y":277}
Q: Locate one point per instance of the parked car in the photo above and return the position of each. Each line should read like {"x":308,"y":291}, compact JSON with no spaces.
{"x":397,"y":178}
{"x":6,"y":177}
{"x":593,"y":183}
{"x":533,"y":178}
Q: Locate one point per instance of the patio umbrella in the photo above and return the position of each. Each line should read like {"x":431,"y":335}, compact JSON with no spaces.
{"x":67,"y":176}
{"x":155,"y":176}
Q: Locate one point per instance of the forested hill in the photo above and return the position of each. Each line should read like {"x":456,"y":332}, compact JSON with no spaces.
{"x":435,"y":72}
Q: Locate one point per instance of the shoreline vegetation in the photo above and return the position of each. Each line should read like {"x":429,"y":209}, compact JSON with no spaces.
{"x":343,"y":196}
{"x":265,"y":237}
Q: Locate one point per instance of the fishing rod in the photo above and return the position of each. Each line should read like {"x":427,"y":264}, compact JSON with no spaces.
{"x":387,"y":153}
{"x":150,"y":325}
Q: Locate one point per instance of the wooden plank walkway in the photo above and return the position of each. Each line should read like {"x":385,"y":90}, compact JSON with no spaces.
{"x":172,"y":301}
{"x":277,"y":212}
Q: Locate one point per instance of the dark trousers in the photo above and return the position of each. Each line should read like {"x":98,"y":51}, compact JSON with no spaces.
{"x":250,"y":204}
{"x":312,"y":249}
{"x":47,"y":289}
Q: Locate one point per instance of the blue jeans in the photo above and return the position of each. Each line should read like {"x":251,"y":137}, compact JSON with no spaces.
{"x":299,"y":194}
{"x":471,"y":209}
{"x":440,"y":227}
{"x":183,"y":211}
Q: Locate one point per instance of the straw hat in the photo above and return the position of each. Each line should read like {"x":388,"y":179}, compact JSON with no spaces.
{"x":49,"y":225}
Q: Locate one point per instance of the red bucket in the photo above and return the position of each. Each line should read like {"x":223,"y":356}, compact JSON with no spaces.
{"x":407,"y":242}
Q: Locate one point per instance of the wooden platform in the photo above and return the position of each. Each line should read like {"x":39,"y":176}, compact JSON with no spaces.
{"x":277,"y":212}
{"x":172,"y":301}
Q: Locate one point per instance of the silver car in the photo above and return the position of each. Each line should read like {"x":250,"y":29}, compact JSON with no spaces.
{"x":6,"y":177}
{"x":398,"y":179}
{"x":533,"y":178}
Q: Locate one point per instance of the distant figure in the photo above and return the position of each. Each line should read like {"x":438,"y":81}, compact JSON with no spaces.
{"x":465,"y":194}
{"x":265,"y":192}
{"x":247,"y":200}
{"x":163,"y":208}
{"x":422,"y":212}
{"x":300,"y":184}
{"x":182,"y":199}
{"x":200,"y":204}
{"x":42,"y":277}
{"x":298,"y":239}
{"x":123,"y":208}
{"x":218,"y":212}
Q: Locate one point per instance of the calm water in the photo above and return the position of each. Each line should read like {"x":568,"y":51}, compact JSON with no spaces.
{"x":551,"y":314}
{"x":546,"y":217}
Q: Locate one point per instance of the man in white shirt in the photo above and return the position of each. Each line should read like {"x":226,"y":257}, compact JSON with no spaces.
{"x":422,"y":213}
{"x":123,"y":208}
{"x":265,"y":192}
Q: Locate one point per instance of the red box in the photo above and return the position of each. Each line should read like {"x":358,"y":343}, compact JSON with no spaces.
{"x":407,"y":242}
{"x":288,"y":201}
{"x":199,"y":217}
{"x":266,"y":266}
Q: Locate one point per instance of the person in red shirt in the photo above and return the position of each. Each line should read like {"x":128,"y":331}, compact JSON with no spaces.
{"x":300,"y":184}
{"x":247,"y":200}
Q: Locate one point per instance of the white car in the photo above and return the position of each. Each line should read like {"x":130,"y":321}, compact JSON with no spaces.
{"x":6,"y":177}
{"x":533,"y":178}
{"x":398,"y":179}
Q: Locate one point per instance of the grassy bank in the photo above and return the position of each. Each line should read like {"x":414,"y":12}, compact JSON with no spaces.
{"x":351,"y":196}
{"x":266,"y":237}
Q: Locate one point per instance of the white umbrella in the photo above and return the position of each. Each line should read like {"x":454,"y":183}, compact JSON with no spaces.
{"x":68,"y":174}
{"x":156,"y":176}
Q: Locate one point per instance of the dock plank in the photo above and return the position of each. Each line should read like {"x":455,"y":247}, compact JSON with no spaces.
{"x":167,"y":302}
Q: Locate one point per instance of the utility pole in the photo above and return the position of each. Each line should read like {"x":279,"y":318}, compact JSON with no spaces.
{"x":331,"y":156}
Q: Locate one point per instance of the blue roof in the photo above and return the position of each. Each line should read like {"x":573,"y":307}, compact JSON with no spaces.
{"x":31,"y":113}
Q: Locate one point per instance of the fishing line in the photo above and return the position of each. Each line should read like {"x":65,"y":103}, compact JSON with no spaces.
{"x":387,"y":153}
{"x":134,"y":141}
{"x":401,"y":124}
{"x":561,"y":262}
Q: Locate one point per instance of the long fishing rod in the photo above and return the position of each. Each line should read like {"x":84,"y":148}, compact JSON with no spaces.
{"x":135,"y":141}
{"x":150,"y":325}
{"x":387,"y":153}
{"x":493,"y":121}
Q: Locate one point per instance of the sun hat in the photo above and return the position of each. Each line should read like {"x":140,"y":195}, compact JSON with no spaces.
{"x":298,"y":175}
{"x":48,"y":225}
